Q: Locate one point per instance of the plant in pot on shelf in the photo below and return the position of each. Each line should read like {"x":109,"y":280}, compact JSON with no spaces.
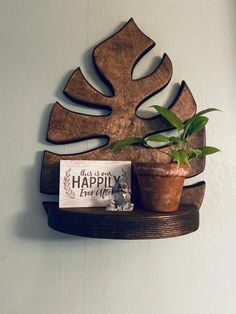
{"x":161,"y":184}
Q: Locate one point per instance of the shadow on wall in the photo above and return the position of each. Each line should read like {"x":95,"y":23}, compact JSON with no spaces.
{"x":31,"y":223}
{"x":233,"y":22}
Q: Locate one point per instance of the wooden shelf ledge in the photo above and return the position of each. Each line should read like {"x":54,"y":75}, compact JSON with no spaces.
{"x":138,"y":224}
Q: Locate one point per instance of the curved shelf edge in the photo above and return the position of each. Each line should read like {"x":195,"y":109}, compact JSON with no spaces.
{"x":138,"y":224}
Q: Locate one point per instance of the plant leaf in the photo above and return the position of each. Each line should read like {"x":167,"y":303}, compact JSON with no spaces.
{"x":200,"y":113}
{"x":183,"y":157}
{"x":187,"y":125}
{"x":176,"y":140}
{"x":208,"y":150}
{"x":195,"y":125}
{"x":127,"y":141}
{"x":179,"y":156}
{"x":170,"y":117}
{"x":157,"y":138}
{"x":190,"y":121}
{"x":175,"y":156}
{"x":194,"y":153}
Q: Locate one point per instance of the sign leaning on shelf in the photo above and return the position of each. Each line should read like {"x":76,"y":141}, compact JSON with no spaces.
{"x":89,"y":183}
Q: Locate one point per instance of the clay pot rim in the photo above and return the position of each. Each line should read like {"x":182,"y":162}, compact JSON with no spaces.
{"x":170,"y":169}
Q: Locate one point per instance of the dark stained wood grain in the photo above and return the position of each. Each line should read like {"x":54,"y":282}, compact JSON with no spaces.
{"x":193,"y":194}
{"x":139,"y":224}
{"x":114,"y":60}
{"x":66,"y":126}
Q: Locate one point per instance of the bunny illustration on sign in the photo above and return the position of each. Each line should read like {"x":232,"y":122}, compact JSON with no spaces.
{"x":121,"y":195}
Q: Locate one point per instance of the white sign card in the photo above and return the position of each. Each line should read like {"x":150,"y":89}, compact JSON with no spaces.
{"x":88,"y":183}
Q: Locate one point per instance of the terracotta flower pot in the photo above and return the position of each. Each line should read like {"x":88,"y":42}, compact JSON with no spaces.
{"x":160,"y":185}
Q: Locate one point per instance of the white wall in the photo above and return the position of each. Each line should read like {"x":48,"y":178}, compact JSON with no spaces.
{"x":42,"y":271}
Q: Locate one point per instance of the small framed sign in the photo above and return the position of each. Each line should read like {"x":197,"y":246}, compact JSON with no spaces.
{"x":88,"y":183}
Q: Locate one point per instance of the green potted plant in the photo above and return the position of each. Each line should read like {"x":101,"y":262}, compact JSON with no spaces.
{"x":161,"y":184}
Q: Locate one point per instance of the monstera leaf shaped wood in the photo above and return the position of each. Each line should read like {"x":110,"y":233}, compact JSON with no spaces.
{"x":114,"y":60}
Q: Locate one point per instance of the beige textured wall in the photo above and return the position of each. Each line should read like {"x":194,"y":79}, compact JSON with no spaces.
{"x":42,"y":271}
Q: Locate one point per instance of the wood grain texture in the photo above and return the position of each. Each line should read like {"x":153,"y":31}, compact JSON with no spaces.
{"x":66,"y":126}
{"x":194,"y":194}
{"x":114,"y":60}
{"x":139,"y":224}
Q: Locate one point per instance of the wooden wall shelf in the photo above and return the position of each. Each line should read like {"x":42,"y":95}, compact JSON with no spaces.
{"x":114,"y":60}
{"x":138,"y":224}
